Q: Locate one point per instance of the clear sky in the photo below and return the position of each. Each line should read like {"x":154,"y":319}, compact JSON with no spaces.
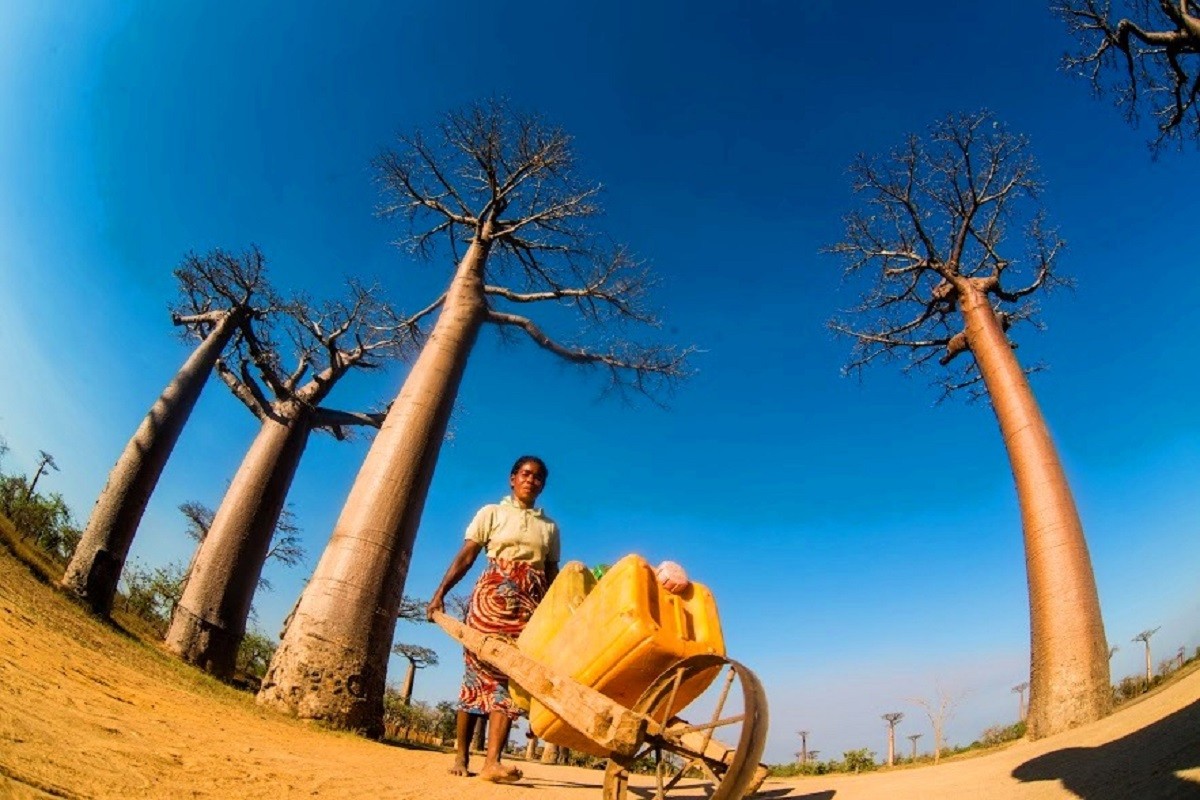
{"x":863,"y":543}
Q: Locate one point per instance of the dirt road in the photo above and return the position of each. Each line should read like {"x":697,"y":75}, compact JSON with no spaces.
{"x":86,"y":712}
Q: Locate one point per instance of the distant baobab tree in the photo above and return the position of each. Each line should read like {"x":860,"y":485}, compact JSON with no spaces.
{"x":218,"y":292}
{"x":1112,"y":651}
{"x":1146,"y":55}
{"x":891,"y":718}
{"x":45,"y":463}
{"x":1019,"y":689}
{"x":1144,"y":638}
{"x":803,"y":746}
{"x":418,"y":658}
{"x":328,"y":341}
{"x":912,"y":737}
{"x":498,"y":189}
{"x":932,"y":245}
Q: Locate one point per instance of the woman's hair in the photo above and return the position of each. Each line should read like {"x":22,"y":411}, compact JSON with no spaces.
{"x":523,"y":460}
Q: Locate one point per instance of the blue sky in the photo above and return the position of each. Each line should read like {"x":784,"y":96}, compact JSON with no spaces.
{"x":862,"y":542}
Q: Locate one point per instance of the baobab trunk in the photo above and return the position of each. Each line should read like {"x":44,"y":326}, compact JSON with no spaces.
{"x":95,"y":568}
{"x":1069,"y":672}
{"x":332,"y":662}
{"x":210,"y":620}
{"x":406,"y":692}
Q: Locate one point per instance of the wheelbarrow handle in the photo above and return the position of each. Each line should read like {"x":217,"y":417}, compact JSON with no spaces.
{"x":607,"y":723}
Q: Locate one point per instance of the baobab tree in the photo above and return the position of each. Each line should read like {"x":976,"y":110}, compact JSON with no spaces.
{"x":891,"y":718}
{"x":1144,"y":638}
{"x":418,"y":658}
{"x":1146,"y":54}
{"x":912,"y":737}
{"x":498,"y":190}
{"x":1019,"y":690}
{"x":218,"y":292}
{"x":329,"y":341}
{"x":803,"y":746}
{"x":286,"y":548}
{"x":933,"y":244}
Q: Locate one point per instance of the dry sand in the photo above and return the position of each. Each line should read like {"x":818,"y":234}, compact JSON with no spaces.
{"x":86,"y":712}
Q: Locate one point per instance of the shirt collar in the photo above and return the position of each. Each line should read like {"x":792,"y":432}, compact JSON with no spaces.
{"x":509,"y":501}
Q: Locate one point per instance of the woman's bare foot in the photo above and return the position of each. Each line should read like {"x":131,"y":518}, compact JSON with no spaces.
{"x":498,"y":773}
{"x":460,"y":767}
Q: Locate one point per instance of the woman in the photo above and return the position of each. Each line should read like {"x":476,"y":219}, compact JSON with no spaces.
{"x":522,"y":546}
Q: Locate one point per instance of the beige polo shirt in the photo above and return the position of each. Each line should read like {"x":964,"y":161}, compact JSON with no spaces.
{"x":507,"y":531}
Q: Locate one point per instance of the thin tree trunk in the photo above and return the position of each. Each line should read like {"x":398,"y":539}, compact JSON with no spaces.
{"x":891,"y":746}
{"x":531,"y":747}
{"x":406,"y":692}
{"x":95,"y":568}
{"x":479,"y":739}
{"x":210,"y":620}
{"x":332,"y":662}
{"x":1069,"y":674}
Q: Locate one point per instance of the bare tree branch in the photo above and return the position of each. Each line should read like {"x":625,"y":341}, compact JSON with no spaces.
{"x":935,"y":214}
{"x":1146,"y":54}
{"x":507,"y":179}
{"x":642,"y":369}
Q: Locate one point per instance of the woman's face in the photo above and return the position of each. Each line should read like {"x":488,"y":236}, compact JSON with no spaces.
{"x":527,"y":483}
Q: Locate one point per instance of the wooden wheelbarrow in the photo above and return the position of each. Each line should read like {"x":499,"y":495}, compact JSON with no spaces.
{"x":681,"y":754}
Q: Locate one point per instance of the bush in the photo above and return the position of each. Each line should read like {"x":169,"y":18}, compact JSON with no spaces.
{"x":151,"y":594}
{"x":999,"y":734}
{"x":861,"y":760}
{"x":44,"y":520}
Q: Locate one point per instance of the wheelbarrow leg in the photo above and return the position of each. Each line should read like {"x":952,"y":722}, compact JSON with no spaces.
{"x":616,"y":782}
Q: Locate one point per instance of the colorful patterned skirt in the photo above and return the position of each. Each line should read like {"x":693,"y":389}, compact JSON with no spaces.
{"x":502,"y":602}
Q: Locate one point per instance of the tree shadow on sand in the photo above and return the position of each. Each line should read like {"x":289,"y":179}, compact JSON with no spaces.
{"x":766,"y":794}
{"x":1140,"y":765}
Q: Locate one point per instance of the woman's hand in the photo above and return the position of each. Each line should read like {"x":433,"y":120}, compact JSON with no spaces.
{"x":436,"y":604}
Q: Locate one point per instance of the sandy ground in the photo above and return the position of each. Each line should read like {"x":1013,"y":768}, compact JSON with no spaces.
{"x":86,"y":712}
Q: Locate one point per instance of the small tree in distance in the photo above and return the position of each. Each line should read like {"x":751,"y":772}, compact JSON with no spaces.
{"x":891,"y":719}
{"x":1146,"y":54}
{"x":1019,"y":690}
{"x":912,"y":737}
{"x":1144,"y":638}
{"x":932,"y":244}
{"x":939,"y":710}
{"x":418,"y":658}
{"x":45,"y":463}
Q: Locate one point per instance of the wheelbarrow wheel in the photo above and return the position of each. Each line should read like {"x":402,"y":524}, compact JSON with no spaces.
{"x":719,"y":754}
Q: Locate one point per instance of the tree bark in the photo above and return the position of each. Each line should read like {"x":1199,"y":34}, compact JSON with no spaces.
{"x":549,"y":753}
{"x":210,"y":620}
{"x":1069,"y":671}
{"x":332,"y":662}
{"x":95,"y":568}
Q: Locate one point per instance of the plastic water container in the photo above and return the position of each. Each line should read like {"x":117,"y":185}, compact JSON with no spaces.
{"x":617,"y":637}
{"x":572,"y":584}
